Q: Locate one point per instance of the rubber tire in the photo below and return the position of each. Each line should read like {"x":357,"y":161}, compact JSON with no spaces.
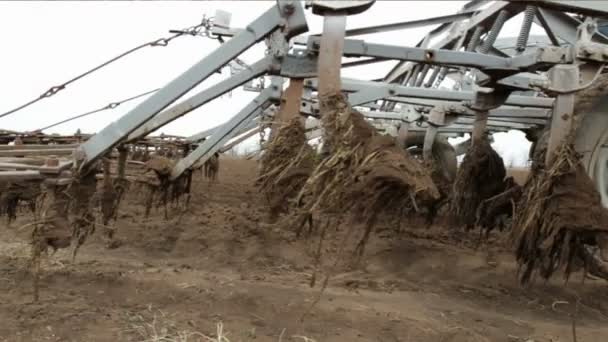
{"x":443,"y":151}
{"x":592,"y":134}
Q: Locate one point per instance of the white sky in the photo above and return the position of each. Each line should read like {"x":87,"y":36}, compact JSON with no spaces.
{"x":46,"y":43}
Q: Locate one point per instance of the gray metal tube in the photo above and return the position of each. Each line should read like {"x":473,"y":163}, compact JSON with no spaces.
{"x":194,"y":102}
{"x":204,"y":151}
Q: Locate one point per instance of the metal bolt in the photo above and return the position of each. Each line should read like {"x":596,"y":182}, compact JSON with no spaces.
{"x":52,"y":161}
{"x":288,"y":8}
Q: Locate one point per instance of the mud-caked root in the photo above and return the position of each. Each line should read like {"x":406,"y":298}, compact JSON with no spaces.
{"x":14,"y":195}
{"x":559,"y":213}
{"x":444,"y":185}
{"x":365,"y":175}
{"x":161,"y":190}
{"x":111,"y":195}
{"x":287,"y":162}
{"x":495,"y":211}
{"x":480,"y":176}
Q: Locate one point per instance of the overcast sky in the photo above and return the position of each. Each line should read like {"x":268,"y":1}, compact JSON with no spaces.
{"x":46,"y":43}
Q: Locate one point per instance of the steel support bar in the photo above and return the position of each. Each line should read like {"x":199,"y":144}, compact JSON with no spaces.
{"x":360,"y":48}
{"x":366,"y":91}
{"x":37,"y":147}
{"x":16,"y":166}
{"x":208,"y":132}
{"x":240,"y":139}
{"x":481,"y":18}
{"x":44,"y":152}
{"x":591,"y":8}
{"x":231,"y":128}
{"x":289,"y":14}
{"x":408,"y":24}
{"x":563,"y":110}
{"x":12,"y":176}
{"x":257,"y":69}
{"x":28,"y":161}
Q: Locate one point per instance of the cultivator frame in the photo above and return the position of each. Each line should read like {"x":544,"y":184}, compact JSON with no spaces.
{"x":529,"y":89}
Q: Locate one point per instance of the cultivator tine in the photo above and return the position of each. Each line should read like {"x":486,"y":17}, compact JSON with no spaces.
{"x":332,"y":41}
{"x":330,"y":53}
{"x":290,"y":105}
{"x":562,"y":77}
{"x":436,"y":120}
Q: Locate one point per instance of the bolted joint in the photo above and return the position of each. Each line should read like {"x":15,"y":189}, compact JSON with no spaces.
{"x":487,"y":99}
{"x":592,"y":51}
{"x":343,"y":7}
{"x":51,"y":161}
{"x":288,"y":7}
{"x":437,"y":116}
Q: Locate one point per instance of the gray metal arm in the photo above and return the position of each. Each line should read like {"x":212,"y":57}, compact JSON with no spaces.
{"x":367,"y":91}
{"x":488,"y":63}
{"x":227,"y":132}
{"x":184,"y":107}
{"x":481,"y":18}
{"x":204,"y":134}
{"x":290,"y":14}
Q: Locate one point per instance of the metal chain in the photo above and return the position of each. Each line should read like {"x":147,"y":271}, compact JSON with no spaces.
{"x":110,"y":105}
{"x":197,"y":30}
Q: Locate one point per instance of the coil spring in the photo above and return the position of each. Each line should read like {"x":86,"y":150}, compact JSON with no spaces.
{"x":494,"y":31}
{"x":526,"y":25}
{"x":474,"y":39}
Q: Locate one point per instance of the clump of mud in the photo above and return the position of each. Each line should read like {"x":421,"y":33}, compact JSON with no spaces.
{"x":365,"y":176}
{"x":480,"y":176}
{"x":560,"y":212}
{"x":163,"y":191}
{"x":16,"y":193}
{"x":211,"y":167}
{"x":444,"y":186}
{"x":494,"y":212}
{"x":111,"y":194}
{"x":82,"y":192}
{"x":287,"y":162}
{"x":64,"y":218}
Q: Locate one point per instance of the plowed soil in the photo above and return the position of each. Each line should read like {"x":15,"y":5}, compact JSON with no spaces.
{"x":220,"y":262}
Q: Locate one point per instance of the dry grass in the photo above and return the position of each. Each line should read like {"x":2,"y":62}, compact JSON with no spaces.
{"x":154,"y":325}
{"x":519,"y":174}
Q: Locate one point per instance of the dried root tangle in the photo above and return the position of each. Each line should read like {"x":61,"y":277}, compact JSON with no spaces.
{"x":287,"y":162}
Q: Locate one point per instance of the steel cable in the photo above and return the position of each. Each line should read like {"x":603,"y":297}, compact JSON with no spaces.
{"x":205,"y":24}
{"x":110,"y":105}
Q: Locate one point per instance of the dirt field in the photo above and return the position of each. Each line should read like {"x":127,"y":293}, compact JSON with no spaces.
{"x":221,"y":263}
{"x":519,"y":174}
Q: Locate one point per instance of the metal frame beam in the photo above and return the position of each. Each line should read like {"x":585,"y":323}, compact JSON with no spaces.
{"x":229,"y":130}
{"x":283,"y":14}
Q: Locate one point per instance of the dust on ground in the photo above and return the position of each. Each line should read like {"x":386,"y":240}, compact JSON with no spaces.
{"x":221,"y":262}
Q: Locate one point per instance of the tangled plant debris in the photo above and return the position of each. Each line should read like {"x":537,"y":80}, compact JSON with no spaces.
{"x":480,"y":176}
{"x":559,"y":213}
{"x":285,"y":165}
{"x":163,"y":191}
{"x":14,"y":195}
{"x":366,"y":174}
